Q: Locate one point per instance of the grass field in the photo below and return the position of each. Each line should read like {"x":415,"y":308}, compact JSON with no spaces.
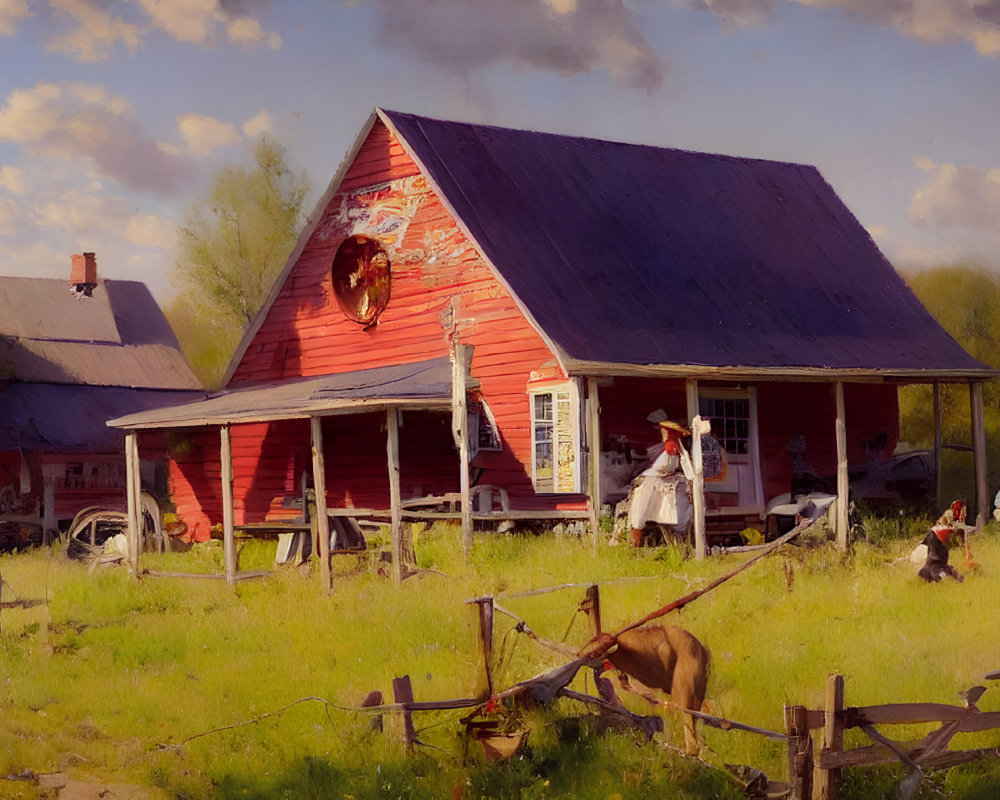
{"x":196,"y":690}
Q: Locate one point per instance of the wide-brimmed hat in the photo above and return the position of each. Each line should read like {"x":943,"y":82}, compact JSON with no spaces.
{"x":658,"y":416}
{"x":661,"y":419}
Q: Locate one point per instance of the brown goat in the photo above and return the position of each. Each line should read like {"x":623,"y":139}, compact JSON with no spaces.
{"x":666,"y":658}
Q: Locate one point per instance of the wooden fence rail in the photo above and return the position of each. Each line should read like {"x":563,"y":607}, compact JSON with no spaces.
{"x":929,"y":753}
{"x":814,"y":772}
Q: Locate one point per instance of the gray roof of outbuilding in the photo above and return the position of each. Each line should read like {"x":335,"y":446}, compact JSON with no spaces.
{"x":635,"y":255}
{"x":117,"y":337}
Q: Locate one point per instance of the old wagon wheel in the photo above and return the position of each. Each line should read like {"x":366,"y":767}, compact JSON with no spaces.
{"x":152,"y":523}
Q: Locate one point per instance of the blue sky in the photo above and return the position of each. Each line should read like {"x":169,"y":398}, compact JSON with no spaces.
{"x":113,"y":114}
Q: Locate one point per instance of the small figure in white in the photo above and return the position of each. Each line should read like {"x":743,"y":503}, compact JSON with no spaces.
{"x":662,"y":492}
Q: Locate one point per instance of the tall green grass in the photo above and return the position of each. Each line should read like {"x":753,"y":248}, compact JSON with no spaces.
{"x":110,"y":677}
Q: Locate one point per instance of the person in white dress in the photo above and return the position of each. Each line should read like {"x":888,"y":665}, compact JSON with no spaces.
{"x":663,"y":491}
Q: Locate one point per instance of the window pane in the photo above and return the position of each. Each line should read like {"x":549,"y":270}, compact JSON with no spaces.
{"x":543,"y":406}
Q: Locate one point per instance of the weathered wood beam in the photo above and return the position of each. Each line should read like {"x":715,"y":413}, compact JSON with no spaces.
{"x":593,"y":414}
{"x":833,"y":735}
{"x":979,"y":452}
{"x":800,"y":753}
{"x":228,"y":536}
{"x":402,"y":694}
{"x":50,"y":526}
{"x":133,"y":505}
{"x":461,"y":360}
{"x":698,"y":483}
{"x":937,"y":444}
{"x":484,"y":616}
{"x":843,"y":481}
{"x":319,"y":486}
{"x":592,"y":608}
{"x":395,"y":509}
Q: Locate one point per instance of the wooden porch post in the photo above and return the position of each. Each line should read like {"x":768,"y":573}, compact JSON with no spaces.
{"x":50,"y":526}
{"x":593,"y":456}
{"x":395,"y":507}
{"x":228,"y":535}
{"x":979,"y":452}
{"x":319,"y":486}
{"x":461,"y":359}
{"x":132,"y":491}
{"x":698,"y":484}
{"x":937,"y":445}
{"x":843,"y":481}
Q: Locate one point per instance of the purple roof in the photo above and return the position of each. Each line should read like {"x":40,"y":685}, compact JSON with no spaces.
{"x":643,"y":255}
{"x":63,"y":418}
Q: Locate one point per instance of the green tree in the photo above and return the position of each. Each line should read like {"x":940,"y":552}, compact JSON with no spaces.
{"x":965,"y":298}
{"x":231,"y":246}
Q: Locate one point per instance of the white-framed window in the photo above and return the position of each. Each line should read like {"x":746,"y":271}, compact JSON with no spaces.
{"x":555,"y":437}
{"x":483,"y":431}
{"x":730,"y":417}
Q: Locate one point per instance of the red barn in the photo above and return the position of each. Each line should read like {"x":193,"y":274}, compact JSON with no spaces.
{"x":592,"y":282}
{"x":73,"y":354}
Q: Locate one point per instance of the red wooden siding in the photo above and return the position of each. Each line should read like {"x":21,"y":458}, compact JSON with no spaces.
{"x":305,"y":333}
{"x":787,"y":409}
{"x":628,"y":401}
{"x":195,"y":479}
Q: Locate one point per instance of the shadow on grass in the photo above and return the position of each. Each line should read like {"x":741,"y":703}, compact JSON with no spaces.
{"x":569,"y":760}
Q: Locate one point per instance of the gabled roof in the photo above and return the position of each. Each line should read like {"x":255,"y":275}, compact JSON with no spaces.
{"x":626,"y":254}
{"x":423,"y":385}
{"x":117,"y":337}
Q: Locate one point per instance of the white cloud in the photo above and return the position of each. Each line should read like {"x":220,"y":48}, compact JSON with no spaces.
{"x":247,"y":32}
{"x":563,"y":36}
{"x":11,"y":12}
{"x":80,"y":214}
{"x":204,"y":134}
{"x":10,"y":215}
{"x":202,"y":21}
{"x":924,"y":163}
{"x":738,"y":12}
{"x":37,"y":258}
{"x":79,"y":121}
{"x":146,"y":230}
{"x":966,"y":197}
{"x":93,"y":30}
{"x":936,"y":21}
{"x":12,"y":179}
{"x":186,"y":20}
{"x":261,"y":123}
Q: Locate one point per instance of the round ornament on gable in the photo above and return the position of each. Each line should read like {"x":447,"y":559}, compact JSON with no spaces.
{"x":361,"y":279}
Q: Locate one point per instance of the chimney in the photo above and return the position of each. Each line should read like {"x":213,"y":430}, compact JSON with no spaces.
{"x":83,"y":275}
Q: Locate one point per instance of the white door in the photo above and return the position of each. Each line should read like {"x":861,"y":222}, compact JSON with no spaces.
{"x":733,"y":414}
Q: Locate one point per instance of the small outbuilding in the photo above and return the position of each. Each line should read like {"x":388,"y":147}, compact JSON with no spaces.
{"x":73,"y":354}
{"x":573,"y":286}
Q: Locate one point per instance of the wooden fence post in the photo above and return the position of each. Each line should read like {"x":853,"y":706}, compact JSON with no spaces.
{"x":402,"y":692}
{"x":833,"y":736}
{"x":592,"y":608}
{"x":484,"y":608}
{"x":800,"y":753}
